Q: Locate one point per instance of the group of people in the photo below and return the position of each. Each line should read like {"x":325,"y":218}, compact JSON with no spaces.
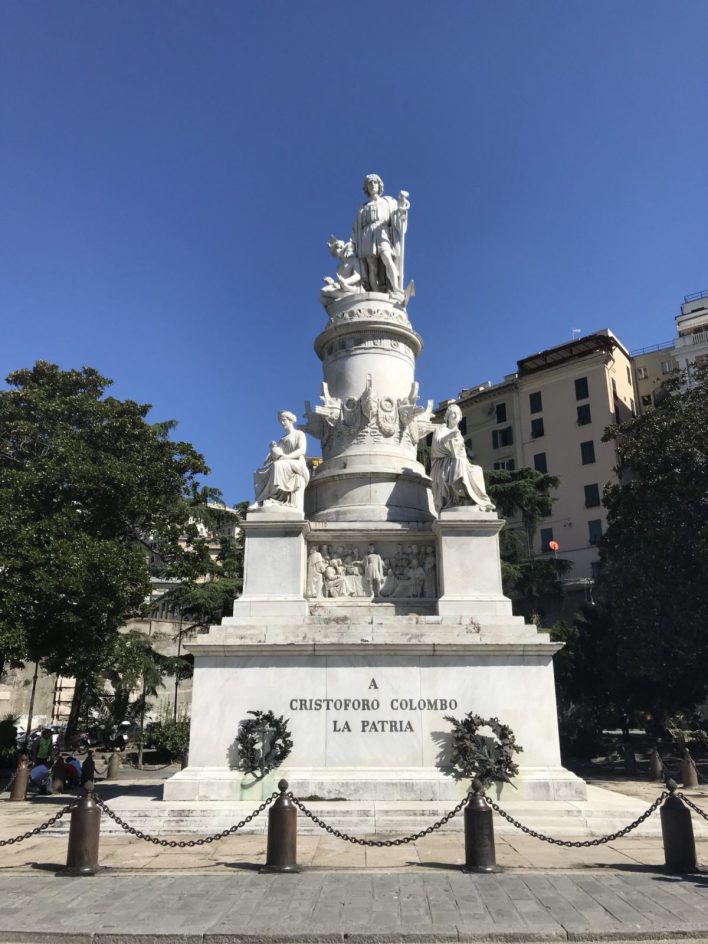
{"x":50,"y":767}
{"x":334,"y":572}
{"x":340,"y":572}
{"x":411,"y":573}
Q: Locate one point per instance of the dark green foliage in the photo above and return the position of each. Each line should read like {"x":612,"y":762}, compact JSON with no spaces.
{"x":531,"y":581}
{"x":85,"y":484}
{"x":131,"y":664}
{"x":207,"y":584}
{"x":525,"y":492}
{"x":171,"y":738}
{"x":8,"y":732}
{"x":8,"y":737}
{"x":483,"y":758}
{"x":644,"y":648}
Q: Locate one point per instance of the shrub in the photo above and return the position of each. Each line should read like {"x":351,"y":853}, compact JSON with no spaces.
{"x":171,"y":737}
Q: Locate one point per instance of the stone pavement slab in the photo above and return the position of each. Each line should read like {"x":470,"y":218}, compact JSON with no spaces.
{"x":372,"y":907}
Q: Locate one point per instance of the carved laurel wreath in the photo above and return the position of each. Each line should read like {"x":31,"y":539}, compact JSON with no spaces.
{"x":480,"y":758}
{"x":249,"y":742}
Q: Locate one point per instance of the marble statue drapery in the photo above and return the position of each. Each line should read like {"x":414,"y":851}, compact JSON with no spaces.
{"x":284,"y":474}
{"x":456,"y":481}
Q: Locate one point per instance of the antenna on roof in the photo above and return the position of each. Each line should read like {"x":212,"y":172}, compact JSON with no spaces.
{"x":576,"y":332}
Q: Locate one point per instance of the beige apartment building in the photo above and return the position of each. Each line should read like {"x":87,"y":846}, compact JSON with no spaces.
{"x":551,"y":415}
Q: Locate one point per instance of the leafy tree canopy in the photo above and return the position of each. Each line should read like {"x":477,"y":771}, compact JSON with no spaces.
{"x":209,"y":574}
{"x":88,"y":487}
{"x":645,"y":647}
{"x":531,"y":581}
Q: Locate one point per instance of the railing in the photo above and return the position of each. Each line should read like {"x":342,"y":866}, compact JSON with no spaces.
{"x":653,"y":347}
{"x":696,"y":295}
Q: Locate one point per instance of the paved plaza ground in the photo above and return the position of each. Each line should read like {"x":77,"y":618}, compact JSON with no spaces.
{"x":412,"y":893}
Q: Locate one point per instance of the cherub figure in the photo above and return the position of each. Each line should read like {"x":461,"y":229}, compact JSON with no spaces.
{"x":348,"y":274}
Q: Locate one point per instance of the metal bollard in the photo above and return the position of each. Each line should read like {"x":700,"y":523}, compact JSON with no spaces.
{"x":656,"y":768}
{"x":19,"y":784}
{"x":689,"y":774}
{"x":480,"y":855}
{"x":282,"y":834}
{"x":677,"y":833}
{"x":84,"y":834}
{"x":113,"y":767}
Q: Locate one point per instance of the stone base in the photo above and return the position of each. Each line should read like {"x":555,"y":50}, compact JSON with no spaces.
{"x":366,"y":705}
{"x":361,"y":783}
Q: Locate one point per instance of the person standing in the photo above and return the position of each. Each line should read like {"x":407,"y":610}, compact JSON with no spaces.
{"x":88,"y":770}
{"x":377,"y":237}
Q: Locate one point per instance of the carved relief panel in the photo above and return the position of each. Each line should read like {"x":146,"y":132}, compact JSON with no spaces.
{"x":375,"y":571}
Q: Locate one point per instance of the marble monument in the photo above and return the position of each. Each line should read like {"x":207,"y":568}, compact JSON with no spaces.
{"x":372,"y":603}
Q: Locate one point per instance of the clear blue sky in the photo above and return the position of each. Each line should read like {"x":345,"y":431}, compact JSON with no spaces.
{"x":170,"y":172}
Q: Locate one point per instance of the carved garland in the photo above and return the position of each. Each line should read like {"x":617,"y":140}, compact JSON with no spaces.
{"x":480,"y":758}
{"x":249,"y":742}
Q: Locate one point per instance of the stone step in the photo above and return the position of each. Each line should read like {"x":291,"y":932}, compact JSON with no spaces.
{"x":390,"y":819}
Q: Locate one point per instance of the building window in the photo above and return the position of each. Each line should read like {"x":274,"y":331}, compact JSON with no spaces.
{"x":507,"y":464}
{"x":463,"y":425}
{"x":501,"y":412}
{"x":587,"y":452}
{"x":629,"y":375}
{"x":581,"y":388}
{"x":666,"y":367}
{"x":595,"y":531}
{"x":469,"y":448}
{"x":535,"y":402}
{"x":592,"y":495}
{"x":646,"y":400}
{"x":614,"y":388}
{"x":537,"y":427}
{"x":502,"y":437}
{"x":642,"y":373}
{"x":546,"y":538}
{"x":584,"y":414}
{"x":539,"y":462}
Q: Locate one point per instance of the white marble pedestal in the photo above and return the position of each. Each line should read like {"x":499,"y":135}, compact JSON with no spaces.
{"x":366,"y":703}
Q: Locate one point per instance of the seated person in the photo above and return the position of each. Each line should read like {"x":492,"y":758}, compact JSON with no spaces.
{"x":41,"y":778}
{"x":72,"y":771}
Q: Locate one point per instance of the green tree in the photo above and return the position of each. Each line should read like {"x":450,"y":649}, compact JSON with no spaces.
{"x":88,"y":490}
{"x":208,"y":575}
{"x":533,"y":582}
{"x":645,"y":648}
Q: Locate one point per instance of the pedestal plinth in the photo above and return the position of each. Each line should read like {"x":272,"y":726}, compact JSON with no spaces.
{"x":469,"y":565}
{"x":366,"y":706}
{"x":274,"y":565}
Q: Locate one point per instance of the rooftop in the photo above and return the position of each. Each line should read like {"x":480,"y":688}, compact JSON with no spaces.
{"x":602,"y":340}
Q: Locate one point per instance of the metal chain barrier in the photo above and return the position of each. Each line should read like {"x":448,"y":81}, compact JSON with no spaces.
{"x":38,"y":829}
{"x":183,"y":843}
{"x":696,"y":809}
{"x":377,"y":842}
{"x":586,"y":843}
